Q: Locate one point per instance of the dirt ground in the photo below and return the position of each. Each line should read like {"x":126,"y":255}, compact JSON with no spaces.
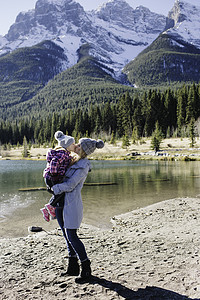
{"x":149,"y":253}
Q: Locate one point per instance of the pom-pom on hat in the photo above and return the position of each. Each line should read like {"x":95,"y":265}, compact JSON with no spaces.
{"x":90,"y":145}
{"x":63,"y":140}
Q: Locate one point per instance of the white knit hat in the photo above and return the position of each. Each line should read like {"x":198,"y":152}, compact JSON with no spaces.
{"x":63,"y":140}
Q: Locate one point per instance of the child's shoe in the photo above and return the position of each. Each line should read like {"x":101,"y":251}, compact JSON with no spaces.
{"x":51,"y":210}
{"x":45,"y":214}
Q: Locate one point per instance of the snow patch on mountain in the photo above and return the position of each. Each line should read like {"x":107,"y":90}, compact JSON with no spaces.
{"x":70,"y":44}
{"x":115,"y":31}
{"x":186,"y":19}
{"x":3,"y":40}
{"x":57,"y":2}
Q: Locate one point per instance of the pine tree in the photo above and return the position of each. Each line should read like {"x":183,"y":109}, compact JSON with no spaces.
{"x":86,"y":124}
{"x":38,"y":135}
{"x":125,"y":141}
{"x":135,"y":135}
{"x":157,"y":137}
{"x":138,"y":119}
{"x":192,"y":109}
{"x":181,"y":109}
{"x":79,"y":121}
{"x":95,"y":119}
{"x":196,"y":102}
{"x":97,"y":128}
{"x":54,"y":127}
{"x":168,"y":118}
{"x":124,"y":115}
{"x":192,"y":132}
{"x":25,"y":152}
{"x":47,"y":129}
{"x":107,"y":118}
{"x":154,"y":111}
{"x":113,"y":139}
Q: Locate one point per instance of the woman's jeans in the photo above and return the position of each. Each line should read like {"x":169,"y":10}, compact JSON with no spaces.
{"x":74,"y":245}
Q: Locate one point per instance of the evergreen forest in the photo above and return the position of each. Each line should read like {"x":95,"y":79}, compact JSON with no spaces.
{"x":133,"y":116}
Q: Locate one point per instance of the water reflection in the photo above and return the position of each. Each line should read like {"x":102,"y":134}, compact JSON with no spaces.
{"x":139,"y":183}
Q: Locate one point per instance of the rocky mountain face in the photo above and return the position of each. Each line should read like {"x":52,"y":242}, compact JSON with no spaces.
{"x":185,"y":22}
{"x":115,"y":31}
{"x":138,"y":20}
{"x":114,"y":34}
{"x":50,"y":18}
{"x":175,"y":55}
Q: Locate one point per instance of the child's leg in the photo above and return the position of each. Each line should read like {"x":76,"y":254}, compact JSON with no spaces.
{"x":48,"y":182}
{"x":45,"y":214}
{"x":44,"y":210}
{"x":57,"y":198}
{"x":49,"y":185}
{"x":51,"y":210}
{"x":50,"y":207}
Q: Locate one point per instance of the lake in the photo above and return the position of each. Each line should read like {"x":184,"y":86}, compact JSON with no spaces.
{"x":138,"y":184}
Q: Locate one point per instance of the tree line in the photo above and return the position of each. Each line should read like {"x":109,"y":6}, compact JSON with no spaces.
{"x":137,"y":117}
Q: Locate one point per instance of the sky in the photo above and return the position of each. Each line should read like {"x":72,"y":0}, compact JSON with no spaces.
{"x":9,"y":9}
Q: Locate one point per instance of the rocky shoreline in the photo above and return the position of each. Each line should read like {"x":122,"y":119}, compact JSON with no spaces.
{"x":150,"y":253}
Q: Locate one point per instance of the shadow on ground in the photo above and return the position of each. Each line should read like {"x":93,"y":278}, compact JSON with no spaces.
{"x":148,"y":293}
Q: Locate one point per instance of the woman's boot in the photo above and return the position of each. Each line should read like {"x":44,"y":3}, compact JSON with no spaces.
{"x":73,"y":267}
{"x":86,"y":269}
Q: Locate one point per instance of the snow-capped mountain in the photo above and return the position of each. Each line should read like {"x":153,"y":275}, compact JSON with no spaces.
{"x":116,"y":32}
{"x":174,"y":57}
{"x":185,"y":22}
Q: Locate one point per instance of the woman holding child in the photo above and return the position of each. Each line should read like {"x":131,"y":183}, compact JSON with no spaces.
{"x":70,"y":216}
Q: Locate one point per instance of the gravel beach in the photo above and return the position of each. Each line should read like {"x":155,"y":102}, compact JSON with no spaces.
{"x":149,"y":253}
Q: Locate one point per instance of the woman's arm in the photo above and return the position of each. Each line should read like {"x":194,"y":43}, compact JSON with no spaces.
{"x":71,"y":182}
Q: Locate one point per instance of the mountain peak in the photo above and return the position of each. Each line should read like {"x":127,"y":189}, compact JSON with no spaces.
{"x":115,"y":33}
{"x":114,"y":10}
{"x":113,"y":2}
{"x":55,"y":2}
{"x":48,"y":16}
{"x":182,"y":10}
{"x":121,"y":13}
{"x":184,"y":19}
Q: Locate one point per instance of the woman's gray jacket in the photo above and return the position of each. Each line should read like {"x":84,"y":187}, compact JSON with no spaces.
{"x":72,"y":185}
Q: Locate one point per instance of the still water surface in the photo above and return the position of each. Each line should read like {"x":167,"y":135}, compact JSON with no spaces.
{"x":138,"y":184}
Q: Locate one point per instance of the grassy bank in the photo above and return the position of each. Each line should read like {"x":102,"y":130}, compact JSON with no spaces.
{"x":171,"y":149}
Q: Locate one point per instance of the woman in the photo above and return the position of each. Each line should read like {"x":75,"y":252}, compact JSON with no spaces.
{"x":70,"y":217}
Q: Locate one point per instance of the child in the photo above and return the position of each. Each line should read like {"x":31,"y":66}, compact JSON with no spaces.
{"x":58,"y":160}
